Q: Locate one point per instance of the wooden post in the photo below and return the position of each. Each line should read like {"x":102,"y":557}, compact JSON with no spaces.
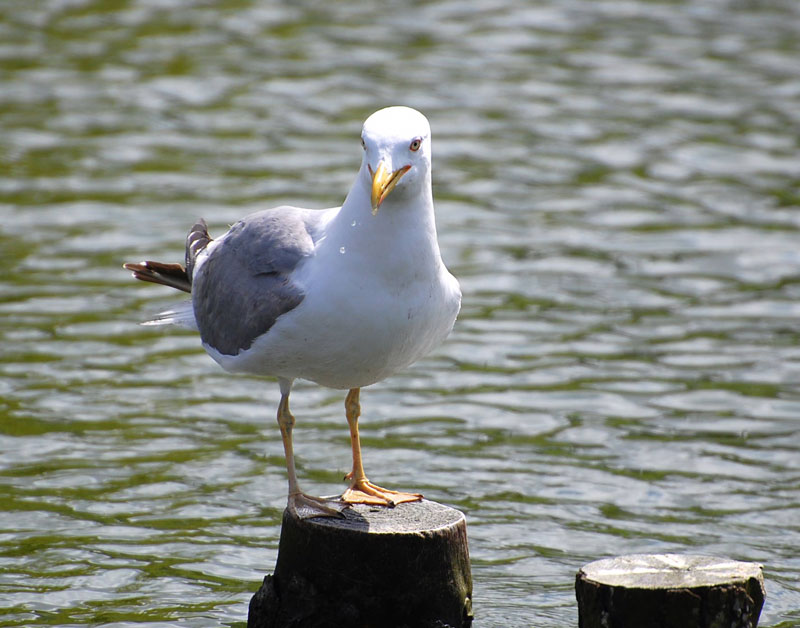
{"x":669,"y":591}
{"x":406,"y":566}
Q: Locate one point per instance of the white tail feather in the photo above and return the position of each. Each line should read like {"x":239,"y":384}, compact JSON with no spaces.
{"x":182,"y":316}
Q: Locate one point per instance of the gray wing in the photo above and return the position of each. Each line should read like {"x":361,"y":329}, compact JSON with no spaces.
{"x":244,"y":284}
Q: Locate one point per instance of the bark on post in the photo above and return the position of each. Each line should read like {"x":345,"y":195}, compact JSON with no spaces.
{"x":406,"y":567}
{"x":669,"y":591}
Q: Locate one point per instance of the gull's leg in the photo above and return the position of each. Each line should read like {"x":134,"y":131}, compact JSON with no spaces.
{"x":302,"y":505}
{"x":361,"y":490}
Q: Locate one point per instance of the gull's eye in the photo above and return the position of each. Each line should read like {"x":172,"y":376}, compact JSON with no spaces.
{"x":414,"y":146}
{"x":363,"y":144}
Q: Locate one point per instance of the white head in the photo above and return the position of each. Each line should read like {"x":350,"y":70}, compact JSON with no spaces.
{"x":397,"y":153}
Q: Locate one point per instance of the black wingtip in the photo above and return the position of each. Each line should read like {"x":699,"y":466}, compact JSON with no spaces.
{"x":172,"y":275}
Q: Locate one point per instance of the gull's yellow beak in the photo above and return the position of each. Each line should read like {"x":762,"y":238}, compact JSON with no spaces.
{"x":383,"y":182}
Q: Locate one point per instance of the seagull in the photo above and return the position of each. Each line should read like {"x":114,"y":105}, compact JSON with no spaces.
{"x":344,"y":297}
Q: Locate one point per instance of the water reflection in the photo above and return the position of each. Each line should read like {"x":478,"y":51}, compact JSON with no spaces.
{"x":616,"y":189}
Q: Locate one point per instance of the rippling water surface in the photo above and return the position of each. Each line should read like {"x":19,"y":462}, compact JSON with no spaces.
{"x":618,"y":190}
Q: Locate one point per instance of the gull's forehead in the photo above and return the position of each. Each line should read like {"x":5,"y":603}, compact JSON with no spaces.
{"x":395,"y":124}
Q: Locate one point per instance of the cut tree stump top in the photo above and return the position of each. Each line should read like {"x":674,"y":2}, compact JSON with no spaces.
{"x":669,"y":571}
{"x":423,"y":517}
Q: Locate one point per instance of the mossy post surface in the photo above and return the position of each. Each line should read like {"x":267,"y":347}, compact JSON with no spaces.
{"x":669,"y":591}
{"x":406,"y":566}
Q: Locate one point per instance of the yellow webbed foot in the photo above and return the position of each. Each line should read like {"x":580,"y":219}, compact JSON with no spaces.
{"x":365,"y":492}
{"x":307,"y":506}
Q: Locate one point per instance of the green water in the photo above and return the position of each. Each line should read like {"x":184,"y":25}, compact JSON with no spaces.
{"x":617,"y":185}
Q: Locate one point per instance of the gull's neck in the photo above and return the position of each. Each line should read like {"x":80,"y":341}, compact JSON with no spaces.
{"x":402,"y":235}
